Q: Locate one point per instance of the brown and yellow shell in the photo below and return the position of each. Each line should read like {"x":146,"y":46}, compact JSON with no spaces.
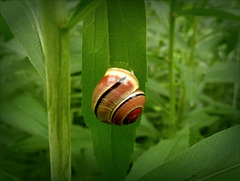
{"x":117,"y":98}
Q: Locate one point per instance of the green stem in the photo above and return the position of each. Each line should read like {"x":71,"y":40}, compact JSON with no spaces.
{"x":235,"y":95}
{"x":237,"y":84}
{"x":171,"y":64}
{"x":193,"y":42}
{"x":56,"y":50}
{"x":182,"y":101}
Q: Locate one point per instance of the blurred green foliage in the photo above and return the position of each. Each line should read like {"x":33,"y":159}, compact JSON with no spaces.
{"x":207,"y":62}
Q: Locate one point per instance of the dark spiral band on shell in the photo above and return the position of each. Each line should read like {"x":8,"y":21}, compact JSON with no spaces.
{"x":123,"y":103}
{"x":120,"y":81}
{"x":117,"y":98}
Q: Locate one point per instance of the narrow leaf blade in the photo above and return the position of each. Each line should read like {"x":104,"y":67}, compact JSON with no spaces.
{"x":83,"y":8}
{"x":103,"y":42}
{"x":207,"y":160}
{"x":24,"y":27}
{"x":159,"y":154}
{"x":224,"y":72}
{"x":211,"y":12}
{"x":25,"y":113}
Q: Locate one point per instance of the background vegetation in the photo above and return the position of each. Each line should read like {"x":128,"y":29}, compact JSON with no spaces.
{"x":172,"y":142}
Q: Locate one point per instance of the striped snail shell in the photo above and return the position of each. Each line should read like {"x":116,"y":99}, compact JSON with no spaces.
{"x":117,"y":98}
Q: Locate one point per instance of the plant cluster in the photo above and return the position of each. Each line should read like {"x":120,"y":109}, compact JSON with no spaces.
{"x":186,"y":57}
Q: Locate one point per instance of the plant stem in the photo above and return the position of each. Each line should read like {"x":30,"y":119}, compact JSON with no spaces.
{"x":235,"y":95}
{"x":193,"y":42}
{"x":237,"y":84}
{"x":171,"y":64}
{"x":56,"y":46}
{"x":182,"y":101}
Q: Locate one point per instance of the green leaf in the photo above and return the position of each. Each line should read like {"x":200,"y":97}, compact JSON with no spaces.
{"x":81,"y":138}
{"x":83,"y":8}
{"x":162,"y":11}
{"x":159,"y":154}
{"x":146,"y":129}
{"x":213,"y":158}
{"x":26,"y":30}
{"x":76,"y":54}
{"x":155,"y":94}
{"x":208,"y":46}
{"x":211,"y":12}
{"x":114,"y":35}
{"x":4,"y":29}
{"x":13,"y":47}
{"x":30,"y":144}
{"x":25,"y":113}
{"x":220,"y":108}
{"x":223,"y":72}
{"x":155,"y":86}
{"x":193,"y":82}
{"x":198,"y":119}
{"x":14,"y":67}
{"x":85,"y":166}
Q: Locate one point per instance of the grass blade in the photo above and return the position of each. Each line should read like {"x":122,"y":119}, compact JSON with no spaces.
{"x":159,"y":154}
{"x":213,"y":158}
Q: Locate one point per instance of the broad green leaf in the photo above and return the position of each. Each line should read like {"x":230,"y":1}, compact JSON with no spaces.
{"x":159,"y":154}
{"x":83,"y":8}
{"x":114,"y":35}
{"x":213,"y":158}
{"x":224,"y":72}
{"x":212,"y":13}
{"x":25,"y":113}
{"x":23,"y":25}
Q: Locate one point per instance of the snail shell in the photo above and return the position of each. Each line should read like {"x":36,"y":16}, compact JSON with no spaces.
{"x":117,"y":98}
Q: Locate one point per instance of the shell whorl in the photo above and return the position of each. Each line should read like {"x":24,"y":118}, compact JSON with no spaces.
{"x":117,"y":98}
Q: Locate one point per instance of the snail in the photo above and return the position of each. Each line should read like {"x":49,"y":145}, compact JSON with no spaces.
{"x":117,"y":98}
